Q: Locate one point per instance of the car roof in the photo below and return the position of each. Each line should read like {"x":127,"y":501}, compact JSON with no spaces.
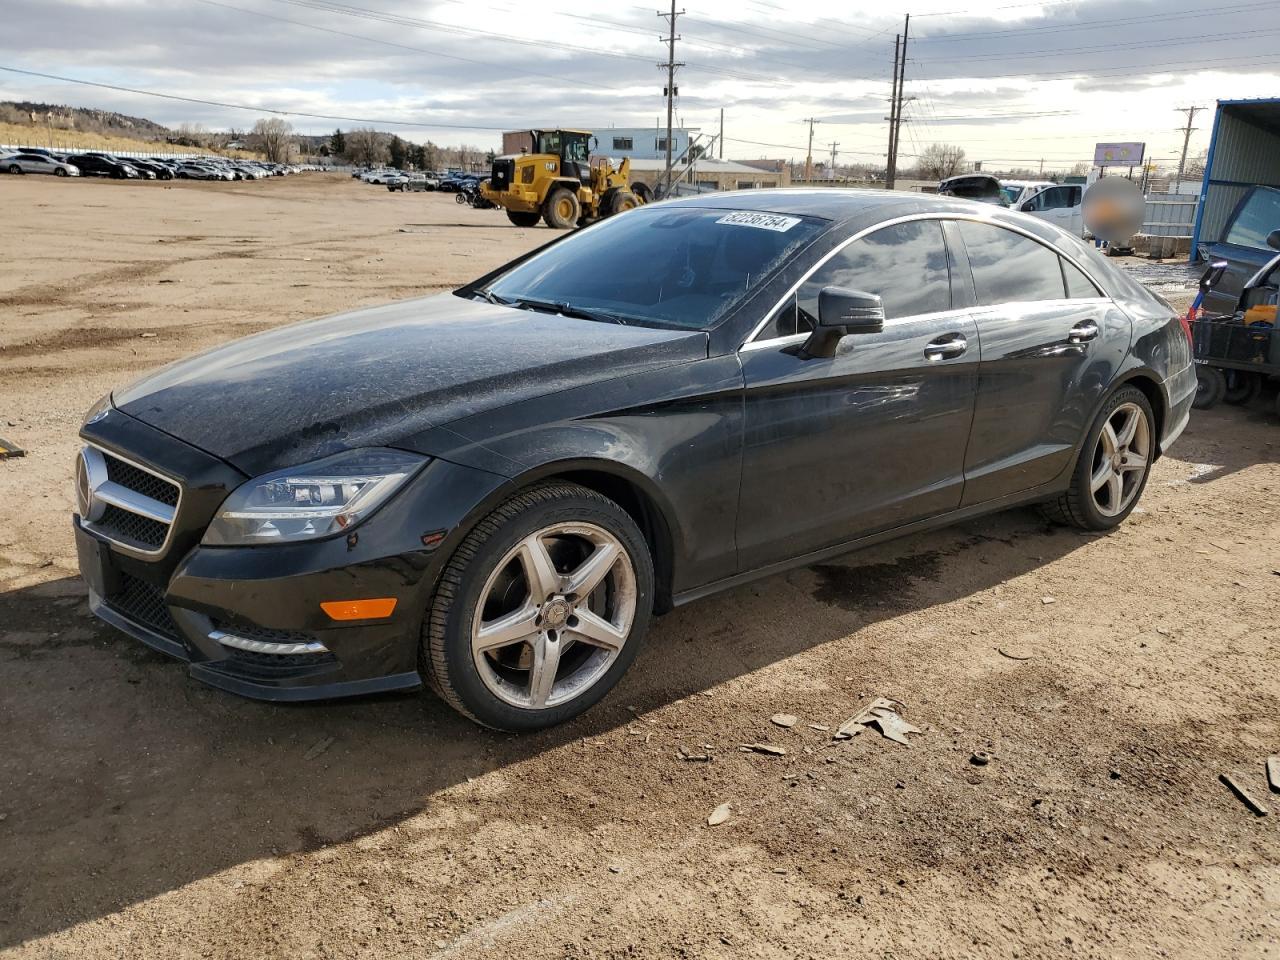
{"x":828,"y":203}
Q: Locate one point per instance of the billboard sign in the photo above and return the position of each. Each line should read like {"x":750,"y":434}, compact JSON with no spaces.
{"x":1118,"y":154}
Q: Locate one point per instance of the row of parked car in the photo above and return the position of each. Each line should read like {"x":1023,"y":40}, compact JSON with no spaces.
{"x":96,"y":164}
{"x":407,"y":181}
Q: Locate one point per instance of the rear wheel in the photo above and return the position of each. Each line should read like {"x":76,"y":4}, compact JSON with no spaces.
{"x":540,"y":610}
{"x":562,"y":209}
{"x":523,"y":218}
{"x":14,"y":168}
{"x":1113,"y":466}
{"x":1242,"y":387}
{"x":1210,"y":386}
{"x":622,"y":201}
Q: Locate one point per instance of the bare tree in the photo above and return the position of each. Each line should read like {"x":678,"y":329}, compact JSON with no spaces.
{"x":274,"y":138}
{"x":941,"y":160}
{"x":366,"y":146}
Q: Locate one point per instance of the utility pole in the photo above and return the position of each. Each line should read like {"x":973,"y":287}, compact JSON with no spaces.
{"x":671,"y":66}
{"x":833,"y":159}
{"x":1042,"y":166}
{"x":1186,"y":140}
{"x":720,"y":139}
{"x":808,"y":160}
{"x":893,"y":112}
{"x":895,"y":123}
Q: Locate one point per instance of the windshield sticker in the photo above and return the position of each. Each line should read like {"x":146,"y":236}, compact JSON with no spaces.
{"x":762,"y":221}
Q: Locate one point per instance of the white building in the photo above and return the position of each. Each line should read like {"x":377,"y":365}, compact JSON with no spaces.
{"x":647,"y":143}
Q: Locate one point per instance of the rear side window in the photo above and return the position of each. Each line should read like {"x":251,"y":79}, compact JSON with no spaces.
{"x":1078,"y":285}
{"x":1008,"y":267}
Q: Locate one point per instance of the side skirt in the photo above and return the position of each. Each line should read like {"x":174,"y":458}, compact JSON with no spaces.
{"x":1034,"y":495}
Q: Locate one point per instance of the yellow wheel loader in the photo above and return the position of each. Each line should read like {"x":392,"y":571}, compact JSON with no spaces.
{"x":553,"y":179}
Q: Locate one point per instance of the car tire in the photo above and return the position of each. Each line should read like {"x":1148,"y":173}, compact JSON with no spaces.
{"x":570,"y":527}
{"x":561,"y":211}
{"x":15,"y":169}
{"x":1113,"y":466}
{"x":523,"y":218}
{"x":1210,"y":386}
{"x":1241,"y":387}
{"x":59,"y":172}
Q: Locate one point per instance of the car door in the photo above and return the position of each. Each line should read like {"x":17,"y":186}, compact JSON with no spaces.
{"x":1051,"y":343}
{"x":1244,"y":246}
{"x":873,"y":437}
{"x":1060,"y":206}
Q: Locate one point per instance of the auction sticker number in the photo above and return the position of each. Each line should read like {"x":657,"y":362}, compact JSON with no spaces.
{"x":762,"y":221}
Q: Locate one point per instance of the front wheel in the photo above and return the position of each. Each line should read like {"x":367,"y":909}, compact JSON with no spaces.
{"x":14,"y":168}
{"x":59,"y":172}
{"x":562,"y":209}
{"x":540,"y":610}
{"x":1114,"y":463}
{"x":523,"y":218}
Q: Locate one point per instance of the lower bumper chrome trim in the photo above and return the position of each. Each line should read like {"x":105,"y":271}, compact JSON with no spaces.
{"x":262,"y":646}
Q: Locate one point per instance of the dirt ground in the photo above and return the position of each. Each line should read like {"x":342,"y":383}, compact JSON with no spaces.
{"x":1111,"y":679}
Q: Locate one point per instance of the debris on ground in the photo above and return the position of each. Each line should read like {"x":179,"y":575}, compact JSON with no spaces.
{"x":819,"y":726}
{"x":1273,"y":773}
{"x":683,"y":754}
{"x":1048,"y":600}
{"x":1013,"y":653}
{"x":317,"y":748}
{"x":1243,"y":795}
{"x":719,"y":815}
{"x":10,"y":449}
{"x":980,"y":758}
{"x":769,"y":748}
{"x":784,"y":719}
{"x":882,"y":713}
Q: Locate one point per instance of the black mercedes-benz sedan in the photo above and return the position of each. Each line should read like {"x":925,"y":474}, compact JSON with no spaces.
{"x":492,"y":490}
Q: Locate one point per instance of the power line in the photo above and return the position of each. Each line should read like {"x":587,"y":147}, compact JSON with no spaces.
{"x":424,"y":124}
{"x":401,"y":46}
{"x":1094,"y":24}
{"x":1170,"y":42}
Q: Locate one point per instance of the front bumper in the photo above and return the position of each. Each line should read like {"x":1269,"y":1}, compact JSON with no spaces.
{"x":206,"y":605}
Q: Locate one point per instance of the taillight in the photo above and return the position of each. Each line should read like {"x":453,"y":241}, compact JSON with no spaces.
{"x":1186,"y":319}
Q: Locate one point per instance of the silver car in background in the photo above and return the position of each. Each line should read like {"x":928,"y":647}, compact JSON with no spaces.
{"x":38,"y":163}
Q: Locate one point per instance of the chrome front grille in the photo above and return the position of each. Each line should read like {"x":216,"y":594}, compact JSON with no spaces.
{"x":129,"y":504}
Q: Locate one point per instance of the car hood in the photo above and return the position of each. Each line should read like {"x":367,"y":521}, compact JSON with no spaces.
{"x":375,"y":377}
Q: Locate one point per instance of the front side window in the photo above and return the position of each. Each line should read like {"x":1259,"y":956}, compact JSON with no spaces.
{"x":1257,"y":218}
{"x":1008,"y":267}
{"x":904,"y":264}
{"x":681,"y":266}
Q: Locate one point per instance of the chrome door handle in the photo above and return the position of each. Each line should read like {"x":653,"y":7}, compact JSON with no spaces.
{"x":946,"y":347}
{"x":1083,"y":332}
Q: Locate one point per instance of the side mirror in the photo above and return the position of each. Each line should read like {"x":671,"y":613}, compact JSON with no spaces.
{"x":1273,"y":239}
{"x":842,"y":312}
{"x":1213,"y":275}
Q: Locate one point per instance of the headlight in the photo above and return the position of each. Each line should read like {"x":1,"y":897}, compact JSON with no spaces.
{"x":97,"y":410}
{"x":311,"y":501}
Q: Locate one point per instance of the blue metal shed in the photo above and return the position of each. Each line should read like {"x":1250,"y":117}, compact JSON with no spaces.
{"x":1244,"y":152}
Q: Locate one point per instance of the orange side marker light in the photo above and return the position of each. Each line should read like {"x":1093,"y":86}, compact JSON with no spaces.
{"x":359,"y":609}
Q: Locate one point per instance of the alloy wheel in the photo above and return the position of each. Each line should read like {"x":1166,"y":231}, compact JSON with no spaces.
{"x":554,"y":615}
{"x":1120,"y":459}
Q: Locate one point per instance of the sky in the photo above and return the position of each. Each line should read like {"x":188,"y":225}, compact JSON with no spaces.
{"x":1013,"y":83}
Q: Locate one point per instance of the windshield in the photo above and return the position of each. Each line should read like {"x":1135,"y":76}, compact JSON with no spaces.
{"x":1011,"y":194}
{"x":680,"y":266}
{"x":1259,"y":215}
{"x":573,"y":145}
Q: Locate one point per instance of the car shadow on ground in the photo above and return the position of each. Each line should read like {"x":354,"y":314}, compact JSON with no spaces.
{"x":124,"y":778}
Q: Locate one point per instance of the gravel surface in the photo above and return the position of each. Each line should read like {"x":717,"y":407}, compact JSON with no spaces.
{"x":1078,"y":697}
